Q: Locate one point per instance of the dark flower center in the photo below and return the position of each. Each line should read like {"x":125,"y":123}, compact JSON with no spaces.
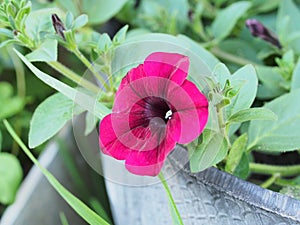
{"x":157,"y":107}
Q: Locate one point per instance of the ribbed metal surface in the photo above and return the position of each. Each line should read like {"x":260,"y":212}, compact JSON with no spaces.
{"x":210,"y":197}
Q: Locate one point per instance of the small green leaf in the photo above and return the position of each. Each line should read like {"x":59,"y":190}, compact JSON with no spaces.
{"x":235,"y":153}
{"x":293,"y":191}
{"x":252,"y":114}
{"x":49,"y":117}
{"x":284,"y":133}
{"x":46,"y":52}
{"x":80,"y":21}
{"x":244,"y":82}
{"x":296,"y":77}
{"x":69,"y":20}
{"x":222,"y":74}
{"x":242,"y":170}
{"x":104,"y":42}
{"x":11,"y":174}
{"x":10,"y":105}
{"x":271,"y":82}
{"x":121,"y":34}
{"x":228,"y":17}
{"x":207,"y":150}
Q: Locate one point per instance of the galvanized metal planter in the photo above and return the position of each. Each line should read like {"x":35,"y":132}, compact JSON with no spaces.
{"x":210,"y":197}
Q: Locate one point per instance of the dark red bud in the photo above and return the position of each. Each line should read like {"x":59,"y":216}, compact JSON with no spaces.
{"x":257,"y":29}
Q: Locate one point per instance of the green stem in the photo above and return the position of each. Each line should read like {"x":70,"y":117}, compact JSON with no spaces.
{"x":73,"y":76}
{"x":273,"y":169}
{"x":87,"y":63}
{"x":171,"y":200}
{"x":21,"y":88}
{"x":20,"y":73}
{"x":230,"y":57}
{"x":270,"y":181}
{"x":222,"y":124}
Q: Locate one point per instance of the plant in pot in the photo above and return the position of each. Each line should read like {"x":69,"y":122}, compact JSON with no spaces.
{"x":152,"y":91}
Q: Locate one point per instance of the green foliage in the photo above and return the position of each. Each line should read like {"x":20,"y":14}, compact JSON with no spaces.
{"x":227,"y":18}
{"x":52,"y":113}
{"x":282,"y":134}
{"x":209,"y":149}
{"x":11,"y":105}
{"x":252,"y":114}
{"x":236,"y":153}
{"x":11,"y":174}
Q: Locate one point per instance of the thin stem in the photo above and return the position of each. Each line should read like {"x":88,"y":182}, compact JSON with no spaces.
{"x":87,"y":63}
{"x":273,"y":169}
{"x":20,"y":73}
{"x":171,"y":200}
{"x":230,"y":57}
{"x":21,"y":88}
{"x":222,"y":125}
{"x":270,"y":181}
{"x":73,"y":76}
{"x":20,"y":142}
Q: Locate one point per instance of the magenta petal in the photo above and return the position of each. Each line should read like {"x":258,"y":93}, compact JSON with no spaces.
{"x":191,"y":114}
{"x":109,"y":142}
{"x":132,"y":75}
{"x":149,"y":162}
{"x":172,"y":66}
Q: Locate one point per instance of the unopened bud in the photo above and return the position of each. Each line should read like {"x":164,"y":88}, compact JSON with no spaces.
{"x":257,"y":29}
{"x":58,"y":26}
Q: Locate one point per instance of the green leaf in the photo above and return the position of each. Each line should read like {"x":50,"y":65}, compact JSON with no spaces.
{"x":271,"y":83}
{"x":242,"y":170}
{"x":287,"y":24}
{"x":252,"y":114}
{"x":198,"y":50}
{"x":69,"y":20}
{"x":295,"y":83}
{"x":86,"y":213}
{"x":222,"y":74}
{"x":280,"y":135}
{"x":39,"y":22}
{"x":228,"y":17}
{"x":49,"y":117}
{"x":80,"y":21}
{"x":121,"y":34}
{"x":99,"y":11}
{"x":236,"y":152}
{"x":85,"y":101}
{"x":207,"y":150}
{"x":10,"y":105}
{"x":46,"y":52}
{"x":11,"y":174}
{"x":244,"y":81}
{"x":293,"y":191}
{"x":69,"y":5}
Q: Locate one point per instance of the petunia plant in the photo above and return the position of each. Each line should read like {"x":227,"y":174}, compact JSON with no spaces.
{"x":146,"y":93}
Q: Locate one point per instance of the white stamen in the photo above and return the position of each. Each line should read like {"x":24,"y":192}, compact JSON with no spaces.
{"x":168,"y":115}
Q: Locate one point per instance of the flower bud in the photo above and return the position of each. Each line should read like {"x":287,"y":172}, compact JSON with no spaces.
{"x":257,"y":29}
{"x":58,"y":25}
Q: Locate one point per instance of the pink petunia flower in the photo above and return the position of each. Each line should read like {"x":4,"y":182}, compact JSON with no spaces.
{"x":155,"y":108}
